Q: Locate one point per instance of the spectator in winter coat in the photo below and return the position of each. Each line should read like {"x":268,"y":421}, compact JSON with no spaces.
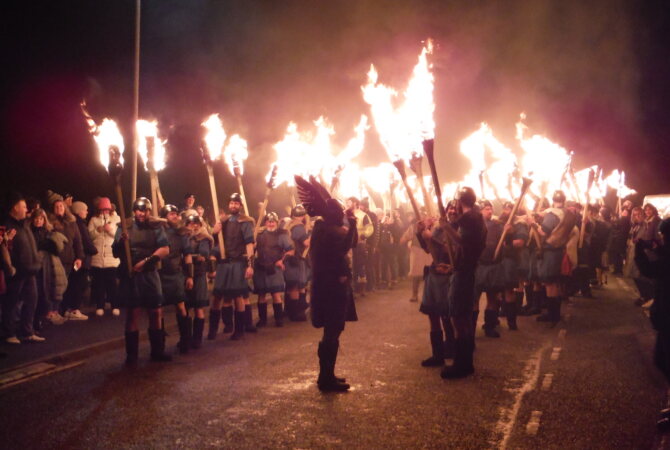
{"x":80,"y":211}
{"x":72,"y":255}
{"x":21,"y":298}
{"x":51,"y":279}
{"x":104,"y":286}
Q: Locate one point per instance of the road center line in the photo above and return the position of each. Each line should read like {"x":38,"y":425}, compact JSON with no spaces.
{"x":555,"y":353}
{"x":547,"y":380}
{"x":534,"y":423}
{"x":508,"y":416}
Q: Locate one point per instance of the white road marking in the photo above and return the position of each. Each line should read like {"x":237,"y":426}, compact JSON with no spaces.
{"x":546,"y":381}
{"x":508,"y":416}
{"x":556,"y":352}
{"x":534,"y":423}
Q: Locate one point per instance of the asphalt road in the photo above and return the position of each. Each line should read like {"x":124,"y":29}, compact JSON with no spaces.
{"x":587,"y":383}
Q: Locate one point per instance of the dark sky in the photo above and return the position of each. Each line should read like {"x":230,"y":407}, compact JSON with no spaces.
{"x":590,"y":75}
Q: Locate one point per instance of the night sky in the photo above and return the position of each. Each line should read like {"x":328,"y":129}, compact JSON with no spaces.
{"x":592,"y":76}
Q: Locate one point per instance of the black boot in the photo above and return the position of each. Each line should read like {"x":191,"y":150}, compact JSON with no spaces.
{"x":300,"y":308}
{"x":490,"y":322}
{"x":214,"y":317}
{"x":295,"y":313}
{"x":157,"y":340}
{"x":227,"y":318}
{"x":511,"y":313}
{"x":249,"y":320}
{"x":184,"y":325}
{"x":437,"y":346}
{"x":132,"y":347}
{"x":262,"y":315}
{"x":463,"y":362}
{"x":279,"y":319}
{"x":526,"y":310}
{"x":240,"y":318}
{"x":553,"y":314}
{"x":327,"y":380}
{"x":198,"y":328}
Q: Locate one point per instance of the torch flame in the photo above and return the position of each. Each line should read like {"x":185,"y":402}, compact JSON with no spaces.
{"x":403,"y":128}
{"x":235,"y":154}
{"x":149,"y":131}
{"x":106,"y":136}
{"x":215,"y":137}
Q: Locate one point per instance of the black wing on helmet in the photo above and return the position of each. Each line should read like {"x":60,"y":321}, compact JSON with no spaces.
{"x":312,"y":195}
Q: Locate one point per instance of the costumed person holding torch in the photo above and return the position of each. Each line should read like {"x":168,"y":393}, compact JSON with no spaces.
{"x":469,"y":235}
{"x":173,"y":276}
{"x":233,"y":270}
{"x":140,"y":283}
{"x":273,"y":245}
{"x":332,"y":296}
{"x":296,"y":272}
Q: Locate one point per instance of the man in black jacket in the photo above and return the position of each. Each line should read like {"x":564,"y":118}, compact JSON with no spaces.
{"x":22,"y":287}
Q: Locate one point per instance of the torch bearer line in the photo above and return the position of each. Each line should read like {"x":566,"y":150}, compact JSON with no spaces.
{"x":582,"y":231}
{"x":215,"y":206}
{"x":524,"y":189}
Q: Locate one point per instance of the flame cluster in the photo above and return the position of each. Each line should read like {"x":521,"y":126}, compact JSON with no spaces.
{"x":402,"y":121}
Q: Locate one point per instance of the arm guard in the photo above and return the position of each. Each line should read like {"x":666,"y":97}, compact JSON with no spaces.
{"x":211,"y":265}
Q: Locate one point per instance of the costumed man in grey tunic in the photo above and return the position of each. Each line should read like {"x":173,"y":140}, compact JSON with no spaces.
{"x":272,"y":247}
{"x":173,"y":280}
{"x":233,"y":271}
{"x":141,"y":287}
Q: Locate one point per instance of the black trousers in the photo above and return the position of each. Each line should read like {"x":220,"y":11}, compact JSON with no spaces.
{"x":19,"y":301}
{"x":77,"y":281}
{"x":105,"y":287}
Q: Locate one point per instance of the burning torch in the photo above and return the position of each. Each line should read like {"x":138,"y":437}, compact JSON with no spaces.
{"x":110,"y":145}
{"x":211,"y":150}
{"x":415,"y":163}
{"x":582,"y":231}
{"x":269,"y":186}
{"x":234,"y":155}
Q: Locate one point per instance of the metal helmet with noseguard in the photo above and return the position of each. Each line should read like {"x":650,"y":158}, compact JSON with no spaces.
{"x":558,"y":197}
{"x":193,"y":218}
{"x":298,"y":211}
{"x":235,"y":197}
{"x":271,"y":217}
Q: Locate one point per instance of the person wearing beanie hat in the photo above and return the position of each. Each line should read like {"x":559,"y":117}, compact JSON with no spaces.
{"x":102,"y":229}
{"x":21,"y":297}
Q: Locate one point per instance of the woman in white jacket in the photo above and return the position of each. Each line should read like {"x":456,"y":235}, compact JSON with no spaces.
{"x":104,"y":286}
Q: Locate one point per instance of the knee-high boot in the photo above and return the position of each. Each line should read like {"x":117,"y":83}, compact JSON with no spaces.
{"x":327,"y":380}
{"x":157,"y":340}
{"x":240,"y":318}
{"x":262,"y":315}
{"x":184,"y":324}
{"x":449,"y":339}
{"x":510,"y":314}
{"x":463,"y":362}
{"x":227,"y":318}
{"x":490,"y":322}
{"x":132,"y":347}
{"x":279,"y":320}
{"x":214,"y":318}
{"x":249,"y":320}
{"x":198,"y":328}
{"x":437,"y":346}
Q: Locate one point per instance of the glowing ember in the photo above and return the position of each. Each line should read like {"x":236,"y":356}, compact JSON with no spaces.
{"x":106,"y":136}
{"x":215,"y":137}
{"x":147,"y":134}
{"x":235,"y":154}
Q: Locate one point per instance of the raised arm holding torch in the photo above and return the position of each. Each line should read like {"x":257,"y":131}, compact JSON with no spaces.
{"x":269,"y":186}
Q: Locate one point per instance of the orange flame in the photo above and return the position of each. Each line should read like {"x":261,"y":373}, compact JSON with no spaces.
{"x":106,"y":135}
{"x":215,"y":136}
{"x":149,"y":130}
{"x":235,"y":154}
